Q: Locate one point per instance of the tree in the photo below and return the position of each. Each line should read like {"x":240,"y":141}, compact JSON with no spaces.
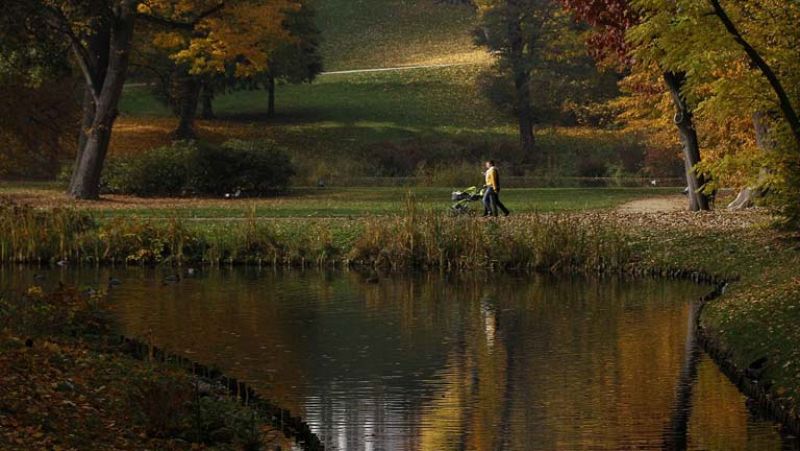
{"x":237,"y":43}
{"x":564,"y":85}
{"x":612,"y":21}
{"x":295,"y":60}
{"x":738,"y":55}
{"x":100,"y":36}
{"x":518,"y":32}
{"x":298,"y":59}
{"x":38,"y":113}
{"x":787,"y":109}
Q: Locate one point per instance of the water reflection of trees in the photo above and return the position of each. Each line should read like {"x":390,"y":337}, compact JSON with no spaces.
{"x":459,"y":362}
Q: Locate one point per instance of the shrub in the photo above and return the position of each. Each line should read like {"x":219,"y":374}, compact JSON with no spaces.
{"x":160,"y":399}
{"x":65,"y":311}
{"x":184,"y":168}
{"x":252,"y":167}
{"x":157,"y":172}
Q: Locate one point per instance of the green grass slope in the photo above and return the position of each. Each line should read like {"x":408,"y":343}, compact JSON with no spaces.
{"x":360,"y":34}
{"x":361,"y":124}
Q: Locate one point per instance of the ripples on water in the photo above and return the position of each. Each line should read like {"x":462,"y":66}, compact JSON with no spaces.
{"x":425,"y":362}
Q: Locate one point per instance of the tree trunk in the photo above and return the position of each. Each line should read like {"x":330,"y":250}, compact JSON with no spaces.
{"x":105,"y":89}
{"x":744,"y":200}
{"x":187,"y":90}
{"x":98,"y":46}
{"x":747,"y":196}
{"x":271,"y":96}
{"x":208,"y":101}
{"x":83,"y":136}
{"x":684,"y":121}
{"x":522,"y":84}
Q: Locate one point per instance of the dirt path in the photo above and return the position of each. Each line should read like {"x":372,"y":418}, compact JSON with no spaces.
{"x":395,"y":69}
{"x":661,"y":204}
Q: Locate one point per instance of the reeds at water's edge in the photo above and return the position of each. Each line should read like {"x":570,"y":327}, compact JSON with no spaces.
{"x":413,"y":239}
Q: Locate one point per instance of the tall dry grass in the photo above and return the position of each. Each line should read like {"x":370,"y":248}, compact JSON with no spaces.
{"x":412,"y":239}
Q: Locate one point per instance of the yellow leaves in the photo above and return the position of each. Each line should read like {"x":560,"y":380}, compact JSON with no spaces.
{"x":169,"y":40}
{"x":242,"y":35}
{"x":35,"y":292}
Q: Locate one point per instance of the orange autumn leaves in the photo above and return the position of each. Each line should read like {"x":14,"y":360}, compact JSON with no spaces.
{"x":238,"y":36}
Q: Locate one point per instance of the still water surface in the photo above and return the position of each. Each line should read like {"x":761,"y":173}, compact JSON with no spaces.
{"x":428,"y":362}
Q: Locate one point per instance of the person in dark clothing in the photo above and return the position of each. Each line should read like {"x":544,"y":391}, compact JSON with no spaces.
{"x":491,"y":198}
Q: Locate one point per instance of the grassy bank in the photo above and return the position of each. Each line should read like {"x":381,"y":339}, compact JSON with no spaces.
{"x":417,"y":238}
{"x":64,"y":386}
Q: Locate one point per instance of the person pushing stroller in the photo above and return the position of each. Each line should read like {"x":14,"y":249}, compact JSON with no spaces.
{"x":491,"y":195}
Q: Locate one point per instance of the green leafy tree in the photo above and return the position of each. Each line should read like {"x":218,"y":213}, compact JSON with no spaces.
{"x":520,"y":33}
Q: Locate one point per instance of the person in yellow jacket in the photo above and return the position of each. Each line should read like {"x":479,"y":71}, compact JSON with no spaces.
{"x":491,"y":197}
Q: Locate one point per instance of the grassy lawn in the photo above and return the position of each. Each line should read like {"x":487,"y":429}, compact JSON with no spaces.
{"x":336,"y":115}
{"x":394,"y":33}
{"x":330,"y":202}
{"x":342,"y":112}
{"x":362,"y":125}
{"x":346,"y":125}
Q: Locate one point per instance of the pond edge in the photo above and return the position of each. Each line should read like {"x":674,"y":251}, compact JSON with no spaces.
{"x":293,"y":427}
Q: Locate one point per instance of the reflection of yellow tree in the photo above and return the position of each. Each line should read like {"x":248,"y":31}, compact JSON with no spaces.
{"x":228,"y":320}
{"x":578,"y":366}
{"x":718,"y":424}
{"x":509,"y":363}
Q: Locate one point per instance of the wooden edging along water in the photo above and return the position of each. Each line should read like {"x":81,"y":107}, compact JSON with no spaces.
{"x":292,"y":426}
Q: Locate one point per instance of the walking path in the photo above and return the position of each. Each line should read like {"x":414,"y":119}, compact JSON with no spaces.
{"x":398,"y":68}
{"x":362,"y":71}
{"x":661,"y":204}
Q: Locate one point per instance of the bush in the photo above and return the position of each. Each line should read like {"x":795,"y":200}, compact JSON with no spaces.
{"x":185,"y":168}
{"x":162,"y":171}
{"x":252,"y":167}
{"x":65,"y":312}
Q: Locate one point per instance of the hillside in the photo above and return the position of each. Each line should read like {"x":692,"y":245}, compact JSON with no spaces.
{"x":425,"y":121}
{"x":360,"y":34}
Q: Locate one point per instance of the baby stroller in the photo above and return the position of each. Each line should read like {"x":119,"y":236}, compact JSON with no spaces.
{"x":462,"y":199}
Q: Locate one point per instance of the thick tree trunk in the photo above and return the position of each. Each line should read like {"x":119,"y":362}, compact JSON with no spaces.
{"x":83,"y":136}
{"x":187,"y":90}
{"x":684,"y":121}
{"x":271,"y":96}
{"x":105,"y":91}
{"x":744,"y":200}
{"x":207,"y":97}
{"x":98,"y":46}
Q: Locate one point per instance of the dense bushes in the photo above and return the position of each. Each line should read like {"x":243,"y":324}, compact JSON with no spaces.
{"x":190,"y":168}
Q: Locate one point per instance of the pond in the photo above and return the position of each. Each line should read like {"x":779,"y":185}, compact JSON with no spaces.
{"x":463,"y":362}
